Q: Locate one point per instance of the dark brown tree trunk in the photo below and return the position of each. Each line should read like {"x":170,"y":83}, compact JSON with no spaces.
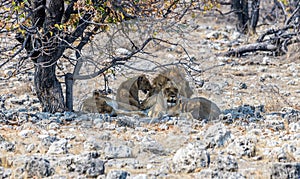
{"x":69,"y":81}
{"x":47,"y":50}
{"x":48,"y":88}
{"x":241,"y":9}
{"x":254,"y":15}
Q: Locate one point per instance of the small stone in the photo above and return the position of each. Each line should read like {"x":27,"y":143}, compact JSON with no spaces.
{"x":294,"y":127}
{"x":140,"y":176}
{"x":43,"y":115}
{"x":58,"y":147}
{"x":69,"y":116}
{"x":38,"y":167}
{"x":7,"y":146}
{"x":243,"y":146}
{"x":53,"y":126}
{"x":30,"y":148}
{"x":243,"y":85}
{"x":117,"y":174}
{"x":285,"y":170}
{"x":95,"y":168}
{"x":188,"y":159}
{"x":208,"y":173}
{"x":225,"y":163}
{"x":26,"y":133}
{"x":150,"y":145}
{"x":217,"y":135}
{"x":121,"y":151}
{"x":291,"y":82}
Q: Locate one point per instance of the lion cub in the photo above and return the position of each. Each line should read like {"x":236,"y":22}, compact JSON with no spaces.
{"x":128,"y":91}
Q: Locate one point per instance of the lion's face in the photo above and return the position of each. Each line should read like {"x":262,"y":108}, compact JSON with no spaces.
{"x":171,"y":96}
{"x":160,"y":81}
{"x":144,"y":84}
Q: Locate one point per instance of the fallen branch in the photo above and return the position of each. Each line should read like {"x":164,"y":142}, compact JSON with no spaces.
{"x":264,"y":46}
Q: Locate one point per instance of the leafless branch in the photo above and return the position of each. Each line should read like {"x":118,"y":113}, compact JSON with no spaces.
{"x":263,"y":46}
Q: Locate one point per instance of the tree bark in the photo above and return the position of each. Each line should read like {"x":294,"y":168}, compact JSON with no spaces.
{"x":47,"y":52}
{"x":69,"y":81}
{"x":254,"y":15}
{"x":241,"y":9}
{"x":48,"y":88}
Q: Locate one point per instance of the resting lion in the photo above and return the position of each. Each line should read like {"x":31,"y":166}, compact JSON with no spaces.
{"x":169,"y":102}
{"x":100,"y":103}
{"x":128,"y":91}
{"x":161,"y":103}
{"x":199,"y":108}
{"x":176,"y":75}
{"x":97,"y":104}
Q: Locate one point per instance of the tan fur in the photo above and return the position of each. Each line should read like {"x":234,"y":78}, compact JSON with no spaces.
{"x":161,"y":103}
{"x":128,"y":91}
{"x":158,"y":83}
{"x":89,"y":105}
{"x":96,"y":104}
{"x":199,"y":108}
{"x":173,"y":75}
{"x":176,"y":75}
{"x":168,"y":102}
{"x":100,"y":103}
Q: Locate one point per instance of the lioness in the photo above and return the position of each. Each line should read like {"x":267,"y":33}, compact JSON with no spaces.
{"x":128,"y":91}
{"x":89,"y":105}
{"x":168,"y":102}
{"x":97,"y":104}
{"x":100,"y":103}
{"x":199,"y":108}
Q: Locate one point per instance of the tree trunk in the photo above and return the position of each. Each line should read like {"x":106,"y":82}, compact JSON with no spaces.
{"x":48,"y":88}
{"x":241,"y":9}
{"x":69,"y":81}
{"x":254,"y":15}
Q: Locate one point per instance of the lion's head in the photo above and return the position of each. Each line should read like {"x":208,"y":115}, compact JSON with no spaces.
{"x":170,"y":94}
{"x":100,"y":100}
{"x":144,"y":84}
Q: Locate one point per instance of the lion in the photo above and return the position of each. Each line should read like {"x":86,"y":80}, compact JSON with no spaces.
{"x":199,"y":108}
{"x":158,"y":83}
{"x":176,"y":75}
{"x":128,"y":91}
{"x":101,"y":103}
{"x":161,"y":103}
{"x":97,"y":103}
{"x":89,"y":105}
{"x":169,"y":102}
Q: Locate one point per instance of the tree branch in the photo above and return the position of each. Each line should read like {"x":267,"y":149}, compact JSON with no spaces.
{"x":263,"y":46}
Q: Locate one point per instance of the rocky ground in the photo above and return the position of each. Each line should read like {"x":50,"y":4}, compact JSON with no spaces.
{"x":257,"y":136}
